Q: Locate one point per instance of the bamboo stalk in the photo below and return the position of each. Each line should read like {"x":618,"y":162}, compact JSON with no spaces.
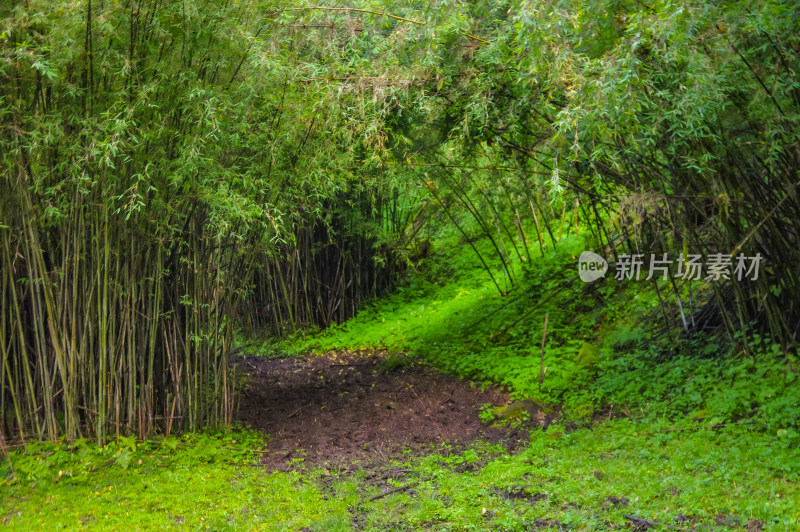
{"x":541,"y":355}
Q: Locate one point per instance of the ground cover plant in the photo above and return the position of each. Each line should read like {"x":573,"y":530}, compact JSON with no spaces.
{"x":596,"y":355}
{"x":586,"y":479}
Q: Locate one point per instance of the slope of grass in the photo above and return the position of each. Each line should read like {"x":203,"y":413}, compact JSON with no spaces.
{"x":458,"y":321}
{"x":598,"y":354}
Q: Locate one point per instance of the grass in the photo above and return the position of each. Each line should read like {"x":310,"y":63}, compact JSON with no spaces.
{"x":198,"y":481}
{"x":598,"y":355}
{"x":584,"y":479}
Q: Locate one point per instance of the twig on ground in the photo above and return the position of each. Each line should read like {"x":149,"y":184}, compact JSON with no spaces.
{"x":541,"y":357}
{"x":648,"y":523}
{"x":394,"y":490}
{"x":714,"y":426}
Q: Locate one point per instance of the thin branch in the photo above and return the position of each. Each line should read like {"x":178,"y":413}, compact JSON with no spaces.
{"x":395,"y":490}
{"x":478,"y":39}
{"x":647,"y":523}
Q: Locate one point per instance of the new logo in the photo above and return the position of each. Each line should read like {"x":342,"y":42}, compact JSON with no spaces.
{"x":591,"y":266}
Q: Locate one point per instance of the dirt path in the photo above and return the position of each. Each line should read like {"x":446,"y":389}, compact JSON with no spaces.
{"x":342,"y":407}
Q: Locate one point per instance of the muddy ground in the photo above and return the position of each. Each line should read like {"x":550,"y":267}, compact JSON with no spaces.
{"x":344,"y":407}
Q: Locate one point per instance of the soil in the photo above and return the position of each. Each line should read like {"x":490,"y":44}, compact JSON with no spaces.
{"x":335,"y":409}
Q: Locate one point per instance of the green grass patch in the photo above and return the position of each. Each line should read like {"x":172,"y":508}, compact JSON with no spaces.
{"x":587,"y":479}
{"x":197,"y":481}
{"x":584,"y":479}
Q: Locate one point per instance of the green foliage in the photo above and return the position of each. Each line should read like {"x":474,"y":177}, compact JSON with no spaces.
{"x":487,"y":414}
{"x":597,"y":357}
{"x":758,"y":388}
{"x":582,"y":478}
{"x":395,"y":362}
{"x":198,"y":480}
{"x":589,"y":478}
{"x":172,"y":171}
{"x":169,"y":170}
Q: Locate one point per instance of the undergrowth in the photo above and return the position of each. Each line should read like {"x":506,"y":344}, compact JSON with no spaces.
{"x":599,"y":354}
{"x":584,"y":479}
{"x":587,"y":479}
{"x":196,"y":481}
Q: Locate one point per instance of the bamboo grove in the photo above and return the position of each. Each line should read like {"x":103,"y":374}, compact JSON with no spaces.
{"x":174,"y":171}
{"x":150,"y":156}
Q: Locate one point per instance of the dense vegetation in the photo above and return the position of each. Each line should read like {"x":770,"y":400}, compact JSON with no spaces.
{"x":179,"y":180}
{"x":150,"y":188}
{"x":171,"y":169}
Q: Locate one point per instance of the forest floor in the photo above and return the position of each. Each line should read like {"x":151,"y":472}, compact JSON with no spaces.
{"x":343,"y":407}
{"x":365,"y":440}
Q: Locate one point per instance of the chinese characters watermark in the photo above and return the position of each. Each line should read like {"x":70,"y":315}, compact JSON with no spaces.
{"x":689,"y":266}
